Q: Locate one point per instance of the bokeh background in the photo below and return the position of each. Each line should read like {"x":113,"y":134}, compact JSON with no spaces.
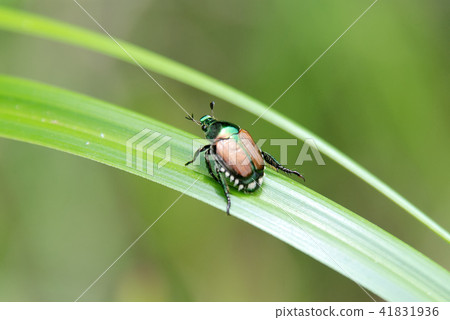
{"x":380,"y":95}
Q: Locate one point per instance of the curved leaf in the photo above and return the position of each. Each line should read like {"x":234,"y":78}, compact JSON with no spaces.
{"x":286,"y":209}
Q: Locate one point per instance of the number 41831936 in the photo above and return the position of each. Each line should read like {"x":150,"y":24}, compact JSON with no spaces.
{"x":412,"y":311}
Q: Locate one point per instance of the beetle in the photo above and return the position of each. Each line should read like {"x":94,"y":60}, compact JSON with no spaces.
{"x":232,"y":157}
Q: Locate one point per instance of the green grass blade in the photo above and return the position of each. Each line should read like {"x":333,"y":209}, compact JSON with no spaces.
{"x":31,"y":24}
{"x":286,"y":209}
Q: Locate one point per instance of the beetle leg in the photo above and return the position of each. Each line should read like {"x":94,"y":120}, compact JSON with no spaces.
{"x":226,"y":190}
{"x":208,"y":164}
{"x":222,"y":179}
{"x":274,"y":163}
{"x":204,"y":148}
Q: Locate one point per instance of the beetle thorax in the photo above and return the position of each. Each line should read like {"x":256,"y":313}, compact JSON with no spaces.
{"x":226,"y":132}
{"x":219,"y":130}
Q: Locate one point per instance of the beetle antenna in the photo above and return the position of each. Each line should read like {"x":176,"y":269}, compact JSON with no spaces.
{"x":191,"y":118}
{"x":211,"y":105}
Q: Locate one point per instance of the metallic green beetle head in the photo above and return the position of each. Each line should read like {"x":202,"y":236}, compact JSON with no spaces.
{"x":206,"y":121}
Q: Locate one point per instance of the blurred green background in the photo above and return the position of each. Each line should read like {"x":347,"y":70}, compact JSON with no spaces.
{"x":380,"y":95}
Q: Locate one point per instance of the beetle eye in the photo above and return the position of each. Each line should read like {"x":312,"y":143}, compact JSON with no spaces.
{"x":203,"y":127}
